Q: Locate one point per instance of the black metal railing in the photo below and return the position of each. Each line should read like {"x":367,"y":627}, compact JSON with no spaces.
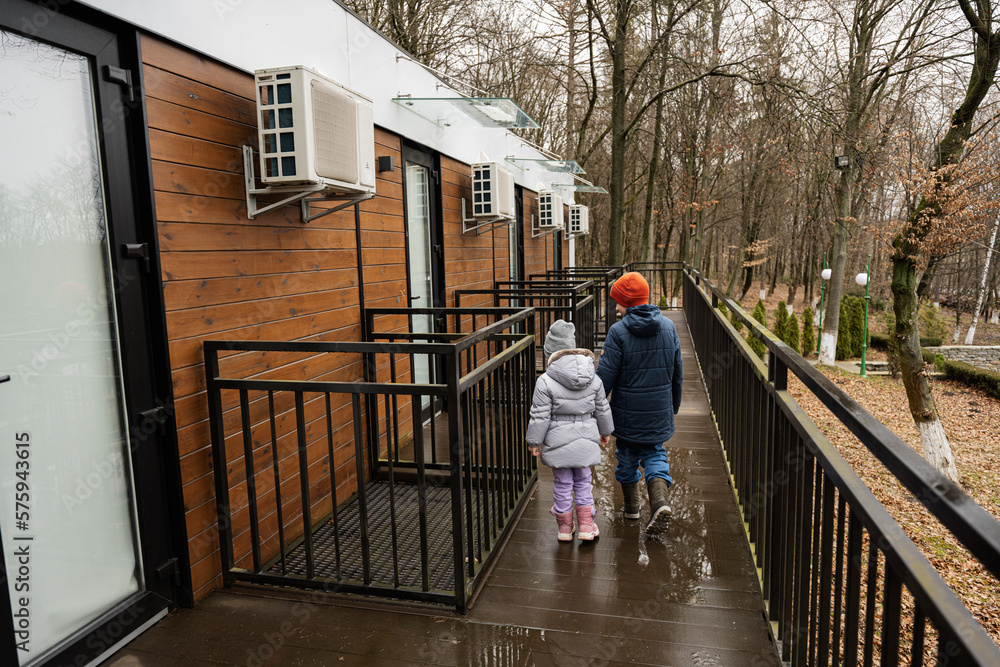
{"x":841,"y":582}
{"x":355,"y":467}
{"x":602,"y":277}
{"x":665,"y":280}
{"x":571,"y":301}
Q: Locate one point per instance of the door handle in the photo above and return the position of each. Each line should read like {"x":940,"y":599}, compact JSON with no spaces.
{"x":414,"y":298}
{"x":4,"y":378}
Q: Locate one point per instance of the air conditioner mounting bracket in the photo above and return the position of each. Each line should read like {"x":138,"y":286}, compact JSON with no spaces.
{"x":481,"y":225}
{"x":304,"y":194}
{"x":537,"y":232}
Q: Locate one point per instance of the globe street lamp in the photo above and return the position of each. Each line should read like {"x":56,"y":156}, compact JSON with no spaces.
{"x":825,"y":274}
{"x":862,"y":279}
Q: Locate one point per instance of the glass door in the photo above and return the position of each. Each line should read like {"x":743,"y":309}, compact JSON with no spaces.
{"x":67,"y":508}
{"x":421,"y":258}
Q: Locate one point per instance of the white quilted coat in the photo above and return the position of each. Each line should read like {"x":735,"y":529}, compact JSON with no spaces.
{"x":569,"y":411}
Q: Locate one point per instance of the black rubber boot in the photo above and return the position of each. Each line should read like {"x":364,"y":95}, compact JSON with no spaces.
{"x":659,"y":510}
{"x":631,"y":493}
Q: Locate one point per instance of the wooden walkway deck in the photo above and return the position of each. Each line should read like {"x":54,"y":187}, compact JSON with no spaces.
{"x":688,"y":597}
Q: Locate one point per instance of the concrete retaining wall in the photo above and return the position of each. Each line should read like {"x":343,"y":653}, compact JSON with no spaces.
{"x":983,"y":356}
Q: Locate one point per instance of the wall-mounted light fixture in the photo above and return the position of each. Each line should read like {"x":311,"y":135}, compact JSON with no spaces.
{"x":386,"y":163}
{"x":842,"y":162}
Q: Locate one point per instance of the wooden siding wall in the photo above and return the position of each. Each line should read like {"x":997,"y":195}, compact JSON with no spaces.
{"x":273,"y":278}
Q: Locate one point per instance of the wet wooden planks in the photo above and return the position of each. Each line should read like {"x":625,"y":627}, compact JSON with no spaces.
{"x":687,"y":597}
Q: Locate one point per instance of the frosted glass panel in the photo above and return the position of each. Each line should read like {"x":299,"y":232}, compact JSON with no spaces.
{"x":418,"y":228}
{"x":66,"y":507}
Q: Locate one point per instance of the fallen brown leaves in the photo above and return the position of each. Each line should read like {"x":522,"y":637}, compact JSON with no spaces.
{"x":972,"y":421}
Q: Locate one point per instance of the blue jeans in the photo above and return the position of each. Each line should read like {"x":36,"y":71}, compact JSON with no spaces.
{"x":652,"y":458}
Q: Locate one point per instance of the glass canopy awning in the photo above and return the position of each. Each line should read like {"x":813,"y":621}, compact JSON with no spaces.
{"x":558,"y":166}
{"x":581,"y":187}
{"x":469,"y":111}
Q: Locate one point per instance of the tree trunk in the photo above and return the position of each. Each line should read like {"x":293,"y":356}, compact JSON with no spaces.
{"x":835,"y":288}
{"x":905,"y":343}
{"x":747,"y":282}
{"x":736,"y":273}
{"x":571,"y":76}
{"x":619,"y":143}
{"x":709,"y":127}
{"x":648,"y":233}
{"x":905,"y":348}
{"x":982,"y":284}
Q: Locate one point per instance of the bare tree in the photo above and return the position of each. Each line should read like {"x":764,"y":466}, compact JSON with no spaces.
{"x":908,"y":244}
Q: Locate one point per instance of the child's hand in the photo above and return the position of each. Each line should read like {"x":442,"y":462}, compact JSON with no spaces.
{"x":605,"y":439}
{"x":534,"y":450}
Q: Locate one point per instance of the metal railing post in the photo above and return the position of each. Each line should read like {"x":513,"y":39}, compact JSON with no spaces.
{"x":455,"y":469}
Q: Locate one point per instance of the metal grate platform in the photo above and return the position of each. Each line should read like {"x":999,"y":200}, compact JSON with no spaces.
{"x":440,"y":544}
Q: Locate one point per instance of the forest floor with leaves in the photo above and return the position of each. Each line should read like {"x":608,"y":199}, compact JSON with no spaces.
{"x":986,"y":333}
{"x":972,"y":421}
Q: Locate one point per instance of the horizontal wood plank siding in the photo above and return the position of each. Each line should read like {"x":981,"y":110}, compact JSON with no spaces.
{"x":274,"y":278}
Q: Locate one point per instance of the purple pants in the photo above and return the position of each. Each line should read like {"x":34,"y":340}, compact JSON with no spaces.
{"x":566,"y":482}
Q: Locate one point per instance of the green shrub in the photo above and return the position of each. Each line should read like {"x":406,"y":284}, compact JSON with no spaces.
{"x":663,"y":302}
{"x":723,"y":309}
{"x":757,"y":345}
{"x":885,"y":322}
{"x":972,"y":376}
{"x":845,"y":331}
{"x":857,"y":307}
{"x":781,"y":321}
{"x":851,"y":328}
{"x":760,"y":313}
{"x":939,"y":363}
{"x":792,"y":332}
{"x":808,"y":332}
{"x":736,"y":322}
{"x":931,"y":322}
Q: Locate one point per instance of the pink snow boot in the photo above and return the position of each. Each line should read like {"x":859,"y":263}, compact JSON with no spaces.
{"x":565,"y":523}
{"x":585,"y":520}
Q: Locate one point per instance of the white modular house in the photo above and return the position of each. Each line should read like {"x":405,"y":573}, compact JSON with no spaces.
{"x":169,"y":170}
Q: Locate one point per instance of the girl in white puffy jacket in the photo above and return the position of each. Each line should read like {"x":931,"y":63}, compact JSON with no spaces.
{"x":570,"y":420}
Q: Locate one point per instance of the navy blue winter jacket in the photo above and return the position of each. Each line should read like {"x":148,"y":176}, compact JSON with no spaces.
{"x":642,"y":373}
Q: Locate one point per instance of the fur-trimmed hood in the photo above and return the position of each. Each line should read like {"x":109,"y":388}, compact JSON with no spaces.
{"x":574,"y":368}
{"x":576,"y":350}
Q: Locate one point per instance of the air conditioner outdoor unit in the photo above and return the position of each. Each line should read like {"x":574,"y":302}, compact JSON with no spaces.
{"x":313,"y":131}
{"x":550,"y":210}
{"x":492,"y":191}
{"x":579,"y":219}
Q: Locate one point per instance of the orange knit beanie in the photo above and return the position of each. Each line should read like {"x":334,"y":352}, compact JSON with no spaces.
{"x":630,"y":290}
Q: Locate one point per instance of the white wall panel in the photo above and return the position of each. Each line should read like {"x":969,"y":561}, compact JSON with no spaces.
{"x":255,"y":34}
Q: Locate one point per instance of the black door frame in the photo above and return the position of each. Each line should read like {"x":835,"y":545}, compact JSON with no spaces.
{"x":557,"y":241}
{"x":113,"y":50}
{"x":425,"y":157}
{"x":519,"y":231}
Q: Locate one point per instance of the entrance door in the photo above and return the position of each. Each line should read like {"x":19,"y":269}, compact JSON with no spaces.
{"x":515,"y":237}
{"x":423,"y":250}
{"x":69,"y":518}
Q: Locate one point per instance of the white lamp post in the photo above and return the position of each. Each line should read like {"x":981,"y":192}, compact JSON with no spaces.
{"x":825,"y":275}
{"x":862,"y":280}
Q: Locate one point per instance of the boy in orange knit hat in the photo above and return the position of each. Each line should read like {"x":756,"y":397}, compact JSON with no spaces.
{"x":642,"y":372}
